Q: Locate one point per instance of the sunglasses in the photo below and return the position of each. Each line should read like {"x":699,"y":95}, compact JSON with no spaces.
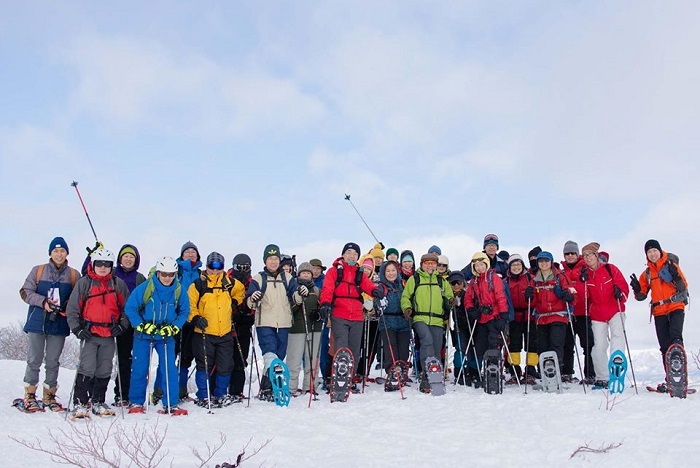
{"x":216,"y":265}
{"x":478,"y":260}
{"x":237,"y":267}
{"x":102,"y":264}
{"x":166,"y":275}
{"x":430,"y":263}
{"x":443,"y":265}
{"x":455,"y":283}
{"x":571,"y":253}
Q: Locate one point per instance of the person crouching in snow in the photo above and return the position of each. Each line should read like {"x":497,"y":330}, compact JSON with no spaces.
{"x":428,"y":307}
{"x":95,"y":315}
{"x":157,"y":309}
{"x":485,"y":302}
{"x":213,"y":297}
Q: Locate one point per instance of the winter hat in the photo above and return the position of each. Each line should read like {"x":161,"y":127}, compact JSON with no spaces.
{"x":367,"y":260}
{"x":650,"y":244}
{"x":377,"y":251}
{"x":544,"y":255}
{"x":126,"y":250}
{"x":592,"y":247}
{"x":58,"y":243}
{"x":318,"y":263}
{"x":429,"y":257}
{"x":242,"y":259}
{"x":271,"y":251}
{"x":479,"y":257}
{"x":534,"y":252}
{"x":570,"y":247}
{"x":491,"y":239}
{"x":435,"y":249}
{"x":215,"y":257}
{"x":455,"y":276}
{"x":305,"y":266}
{"x":503,"y":255}
{"x":515,"y":258}
{"x":351,"y":245}
{"x":603,"y":257}
{"x":189,"y":245}
{"x":443,"y":260}
{"x":407,"y":257}
{"x":392,"y":250}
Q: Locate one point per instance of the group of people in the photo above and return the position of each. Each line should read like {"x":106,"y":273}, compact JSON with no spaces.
{"x":379,"y":304}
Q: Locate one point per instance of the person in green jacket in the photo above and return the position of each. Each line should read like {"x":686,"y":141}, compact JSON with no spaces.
{"x":425,"y":300}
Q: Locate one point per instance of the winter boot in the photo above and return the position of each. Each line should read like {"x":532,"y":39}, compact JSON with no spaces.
{"x":424,"y":385}
{"x":516,"y":374}
{"x":49,"y":399}
{"x":265,"y":393}
{"x":79,"y":411}
{"x":30,"y":403}
{"x":184,"y":394}
{"x":101,"y":409}
{"x":157,"y":395}
{"x":83,"y":385}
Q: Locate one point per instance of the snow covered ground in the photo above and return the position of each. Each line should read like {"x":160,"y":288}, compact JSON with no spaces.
{"x":466,"y":427}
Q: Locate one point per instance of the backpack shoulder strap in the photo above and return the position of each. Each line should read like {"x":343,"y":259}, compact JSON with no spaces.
{"x":263,"y":286}
{"x":73,"y":277}
{"x":40,"y":271}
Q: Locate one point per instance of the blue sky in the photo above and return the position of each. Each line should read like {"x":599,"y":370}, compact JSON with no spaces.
{"x":236,"y":124}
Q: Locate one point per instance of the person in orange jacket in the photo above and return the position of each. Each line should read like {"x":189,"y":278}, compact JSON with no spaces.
{"x":669,"y":295}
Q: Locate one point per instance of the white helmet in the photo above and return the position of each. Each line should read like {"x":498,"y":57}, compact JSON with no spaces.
{"x":102,"y":254}
{"x":166,"y":265}
{"x":443,"y":260}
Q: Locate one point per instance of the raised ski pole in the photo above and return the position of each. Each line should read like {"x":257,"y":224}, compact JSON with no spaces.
{"x":627,"y":345}
{"x":347,"y":197}
{"x":74,"y":184}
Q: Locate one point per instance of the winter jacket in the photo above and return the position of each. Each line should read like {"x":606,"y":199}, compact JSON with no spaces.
{"x":311,"y":304}
{"x":132,"y":278}
{"x":664,"y":297}
{"x":97,"y":302}
{"x":160,"y":309}
{"x":274,"y":308}
{"x":427,"y":299}
{"x":215,"y":303}
{"x":393,"y":318}
{"x":548,"y":306}
{"x":602,"y":305}
{"x":34,"y":293}
{"x":187,"y":272}
{"x":243,"y":317}
{"x":346,"y":299}
{"x":573,"y":274}
{"x":517,"y":286}
{"x":480,"y":292}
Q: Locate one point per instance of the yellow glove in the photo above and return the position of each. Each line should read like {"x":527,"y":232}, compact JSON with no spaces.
{"x":147,"y":328}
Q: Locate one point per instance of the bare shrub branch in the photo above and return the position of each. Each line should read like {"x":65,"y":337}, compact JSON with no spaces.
{"x":211,"y":450}
{"x":586,"y":448}
{"x":241,"y":457}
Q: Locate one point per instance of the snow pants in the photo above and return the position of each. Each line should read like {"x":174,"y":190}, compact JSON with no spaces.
{"x":669,"y":330}
{"x":140,"y":366}
{"x":212,"y":354}
{"x":551,"y":337}
{"x":298,"y":349}
{"x":273,"y":344}
{"x":615,"y":327}
{"x":396,"y":345}
{"x":347,"y":334}
{"x":43,"y":348}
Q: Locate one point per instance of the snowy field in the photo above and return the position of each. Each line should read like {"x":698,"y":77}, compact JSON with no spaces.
{"x":466,"y":427}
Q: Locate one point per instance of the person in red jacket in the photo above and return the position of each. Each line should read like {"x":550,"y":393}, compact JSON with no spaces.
{"x":572,"y":265}
{"x":606,"y":291}
{"x":522,"y":330}
{"x":551,"y":295}
{"x":342,"y":300}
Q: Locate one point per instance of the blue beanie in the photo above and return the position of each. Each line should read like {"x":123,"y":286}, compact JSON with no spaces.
{"x":435,"y":249}
{"x":545,"y":255}
{"x":58,"y":242}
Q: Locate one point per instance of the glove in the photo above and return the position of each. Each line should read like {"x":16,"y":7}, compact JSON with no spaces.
{"x":325,"y":311}
{"x":98,"y":246}
{"x":408,"y":313}
{"x":486,"y":309}
{"x":529,"y":293}
{"x":500,"y":325}
{"x":617,"y":293}
{"x":315,"y":315}
{"x":82,"y":334}
{"x":255,"y":297}
{"x":378,"y":292}
{"x":200,"y":322}
{"x":168,"y":330}
{"x":673,"y":270}
{"x":148,"y":328}
{"x":474,"y":313}
{"x":584,"y":274}
{"x":567,"y":296}
{"x":303,"y":291}
{"x":634,"y":283}
{"x":116,"y":329}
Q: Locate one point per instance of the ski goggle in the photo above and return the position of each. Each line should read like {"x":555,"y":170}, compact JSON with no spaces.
{"x":166,"y":275}
{"x":241,"y":267}
{"x":102,"y":263}
{"x":216,"y":265}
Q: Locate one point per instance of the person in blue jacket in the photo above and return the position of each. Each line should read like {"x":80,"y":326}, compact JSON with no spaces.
{"x":157,"y":309}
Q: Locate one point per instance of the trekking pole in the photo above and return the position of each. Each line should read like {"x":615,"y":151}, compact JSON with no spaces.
{"x":476,"y":356}
{"x":74,"y":184}
{"x":459,"y":346}
{"x":167,"y":375}
{"x":240,"y":352}
{"x":627,"y":344}
{"x":393,"y":357}
{"x":347,"y":197}
{"x":578,"y":357}
{"x":414,"y":357}
{"x":527,"y":341}
{"x":307,"y":339}
{"x":206,"y":369}
{"x":317,"y":362}
{"x":148,"y":376}
{"x":371,"y":352}
{"x":365,"y":356}
{"x":250,"y":377}
{"x":505,"y":346}
{"x":75,"y":381}
{"x":119,"y":376}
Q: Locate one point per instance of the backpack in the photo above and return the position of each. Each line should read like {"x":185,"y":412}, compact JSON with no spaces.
{"x":358,"y":282}
{"x":445,"y":302}
{"x":264,"y":275}
{"x":203,"y":288}
{"x":150,"y":287}
{"x":682,"y":294}
{"x":73,"y":274}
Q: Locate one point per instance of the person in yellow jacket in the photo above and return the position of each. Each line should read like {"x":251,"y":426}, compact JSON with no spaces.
{"x":213,"y":299}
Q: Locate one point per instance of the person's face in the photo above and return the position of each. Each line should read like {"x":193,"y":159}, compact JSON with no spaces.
{"x":591,"y":259}
{"x":393,"y":257}
{"x":408,"y":264}
{"x":128,"y":261}
{"x":101,"y":269}
{"x":441,"y":268}
{"x":287,"y":268}
{"x":317,"y":271}
{"x":305,"y":275}
{"x":390,"y":273}
{"x":516,"y":267}
{"x":570,"y":257}
{"x":429,"y":266}
{"x":544,"y":264}
{"x":368,"y":270}
{"x":653,"y":255}
{"x":491,"y":249}
{"x":481,"y":267}
{"x":166,"y":278}
{"x":272,"y":263}
{"x":58,"y":255}
{"x":457,"y":286}
{"x":190,"y":254}
{"x":350,"y":256}
{"x":378,"y":261}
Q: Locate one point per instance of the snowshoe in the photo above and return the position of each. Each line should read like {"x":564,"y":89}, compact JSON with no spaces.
{"x":600,"y":385}
{"x":342,"y":376}
{"x":227,"y":400}
{"x":392,"y":382}
{"x":31,"y":405}
{"x":424,"y":384}
{"x":19,"y":403}
{"x":493,"y":371}
{"x":513,"y":380}
{"x":119,"y":402}
{"x":174,"y":411}
{"x":677,"y":371}
{"x":551,"y":377}
{"x":436,"y":377}
{"x":79,"y":412}
{"x":136,"y":409}
{"x":279,"y":377}
{"x":102,"y":410}
{"x":617,"y":368}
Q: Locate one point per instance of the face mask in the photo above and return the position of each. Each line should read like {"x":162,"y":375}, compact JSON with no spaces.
{"x":351,"y":263}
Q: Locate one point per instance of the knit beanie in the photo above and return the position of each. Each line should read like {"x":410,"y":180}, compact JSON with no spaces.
{"x":503,"y":255}
{"x":443,"y":260}
{"x":242,"y":259}
{"x":367,"y":261}
{"x":407,"y":257}
{"x":377,"y":251}
{"x":570,"y":247}
{"x":271,"y":251}
{"x":305,"y":266}
{"x":351,"y":245}
{"x":215,"y":257}
{"x":491,"y":239}
{"x":190,"y":245}
{"x":592,"y":247}
{"x":126,"y":250}
{"x":516,"y":258}
{"x":650,"y":244}
{"x":392,"y":250}
{"x":435,"y":249}
{"x":58,"y":243}
{"x":534,"y":252}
